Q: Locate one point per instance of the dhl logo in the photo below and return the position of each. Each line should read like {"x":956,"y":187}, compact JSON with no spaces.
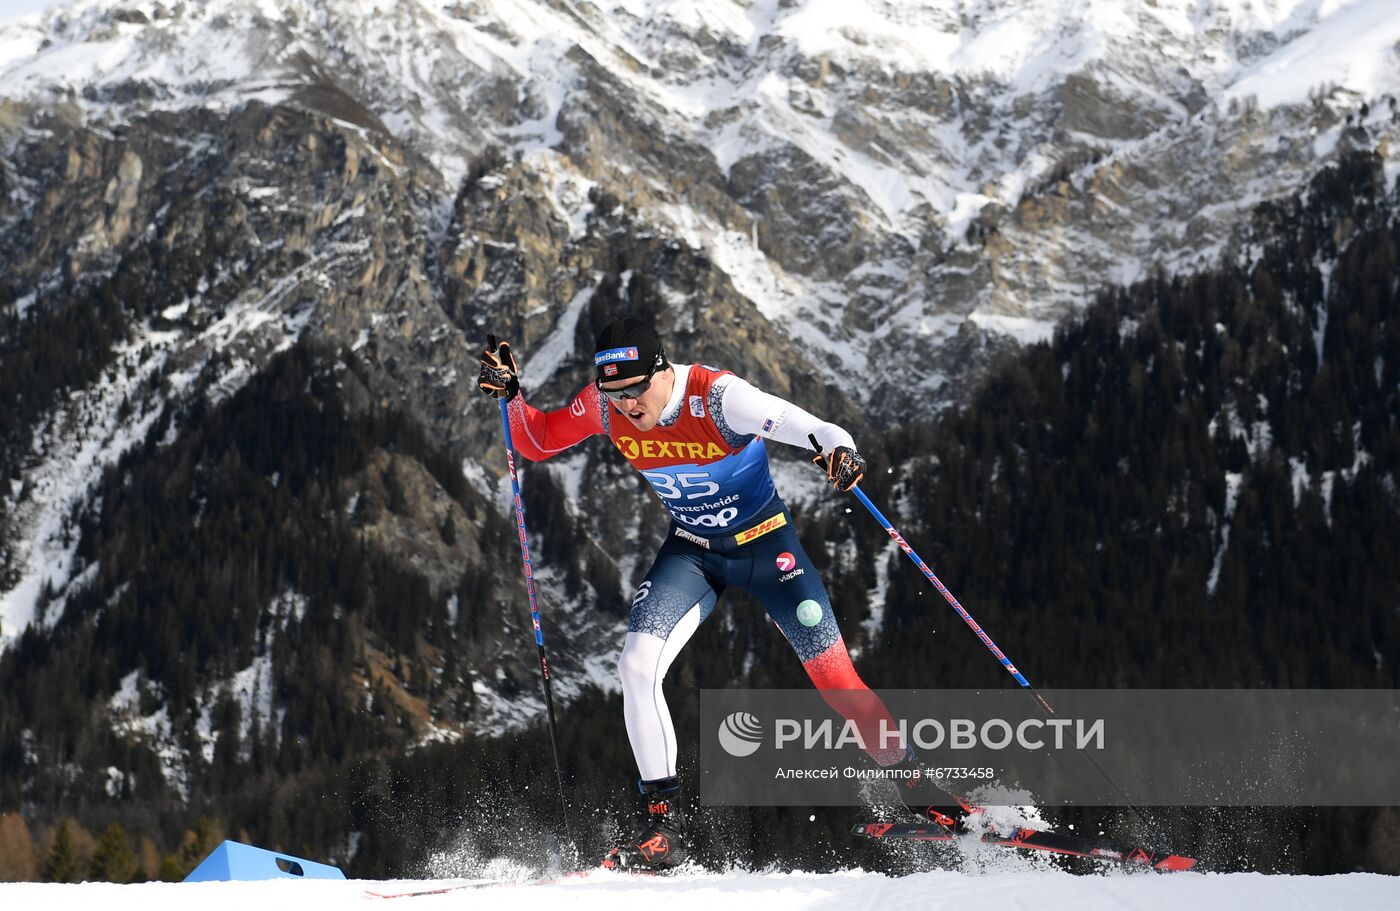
{"x":761,"y":529}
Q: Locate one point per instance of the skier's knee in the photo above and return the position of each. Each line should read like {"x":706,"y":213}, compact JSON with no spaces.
{"x":636,"y":669}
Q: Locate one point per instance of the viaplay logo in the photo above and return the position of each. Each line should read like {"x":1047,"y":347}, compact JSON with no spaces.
{"x":786,"y":562}
{"x":740,"y":734}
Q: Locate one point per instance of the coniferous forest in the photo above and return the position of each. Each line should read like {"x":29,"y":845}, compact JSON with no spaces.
{"x":1193,"y":485}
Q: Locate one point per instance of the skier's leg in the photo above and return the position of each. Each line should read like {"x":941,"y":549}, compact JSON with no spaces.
{"x":782,"y":576}
{"x":668,"y":608}
{"x":671,"y":603}
{"x":785,"y":580}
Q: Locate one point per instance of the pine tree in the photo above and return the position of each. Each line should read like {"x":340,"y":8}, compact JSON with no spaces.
{"x":195,"y":845}
{"x":171,"y":870}
{"x":61,"y":866}
{"x":113,"y":861}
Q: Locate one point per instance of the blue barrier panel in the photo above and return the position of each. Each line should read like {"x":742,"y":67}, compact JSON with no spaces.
{"x":236,"y":861}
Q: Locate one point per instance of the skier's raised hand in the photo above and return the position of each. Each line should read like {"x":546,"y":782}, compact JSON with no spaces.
{"x":500,"y":378}
{"x":844,"y":466}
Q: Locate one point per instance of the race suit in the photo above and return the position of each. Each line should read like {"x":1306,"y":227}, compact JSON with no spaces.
{"x":706,"y":461}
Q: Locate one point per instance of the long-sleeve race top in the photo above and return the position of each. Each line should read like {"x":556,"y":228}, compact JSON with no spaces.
{"x":705,"y":457}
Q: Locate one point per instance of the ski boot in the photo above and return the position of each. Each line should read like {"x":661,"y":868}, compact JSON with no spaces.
{"x":660,"y":840}
{"x":921,"y":795}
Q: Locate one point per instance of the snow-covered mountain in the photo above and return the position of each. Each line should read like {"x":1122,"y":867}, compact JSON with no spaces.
{"x":873,"y":176}
{"x":796,"y":189}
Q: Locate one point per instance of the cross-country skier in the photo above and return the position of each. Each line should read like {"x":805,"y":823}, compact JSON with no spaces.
{"x":697,"y":435}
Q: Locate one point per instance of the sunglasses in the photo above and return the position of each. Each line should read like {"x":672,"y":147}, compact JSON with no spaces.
{"x":633,"y":391}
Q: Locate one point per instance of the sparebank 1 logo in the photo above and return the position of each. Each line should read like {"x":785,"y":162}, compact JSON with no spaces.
{"x":740,"y":734}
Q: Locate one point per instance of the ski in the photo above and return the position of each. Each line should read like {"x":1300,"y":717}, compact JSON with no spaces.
{"x":1037,"y":840}
{"x":481,"y":884}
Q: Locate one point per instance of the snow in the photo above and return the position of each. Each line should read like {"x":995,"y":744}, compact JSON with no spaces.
{"x":259,"y":317}
{"x":1320,"y":333}
{"x":1300,"y":479}
{"x":878,"y":593}
{"x":23,"y":303}
{"x":606,"y":891}
{"x":1024,"y":330}
{"x":1352,"y":47}
{"x":128,"y":693}
{"x":803,"y":311}
{"x":546,"y":357}
{"x":14,"y":10}
{"x":83,"y":437}
{"x":1026,"y":47}
{"x":799,"y":482}
{"x":568,"y":469}
{"x":599,"y":671}
{"x":1233,"y":481}
{"x":736,"y":79}
{"x":252,"y":688}
{"x":154,"y":729}
{"x":568,"y":192}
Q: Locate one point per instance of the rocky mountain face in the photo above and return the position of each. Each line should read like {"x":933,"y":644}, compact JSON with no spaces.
{"x":854,"y":205}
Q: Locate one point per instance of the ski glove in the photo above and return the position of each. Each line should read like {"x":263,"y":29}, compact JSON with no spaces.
{"x":500,"y":378}
{"x":844,"y":467}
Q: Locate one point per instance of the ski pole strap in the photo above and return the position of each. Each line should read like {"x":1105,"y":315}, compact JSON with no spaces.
{"x":942,"y":590}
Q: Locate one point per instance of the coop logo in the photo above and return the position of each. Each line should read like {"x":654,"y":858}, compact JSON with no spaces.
{"x":719,"y":519}
{"x":786,"y":562}
{"x":741,"y":734}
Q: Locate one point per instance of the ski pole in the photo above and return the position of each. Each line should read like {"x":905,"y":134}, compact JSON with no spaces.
{"x":948,"y":596}
{"x":534,"y":612}
{"x":981,"y":633}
